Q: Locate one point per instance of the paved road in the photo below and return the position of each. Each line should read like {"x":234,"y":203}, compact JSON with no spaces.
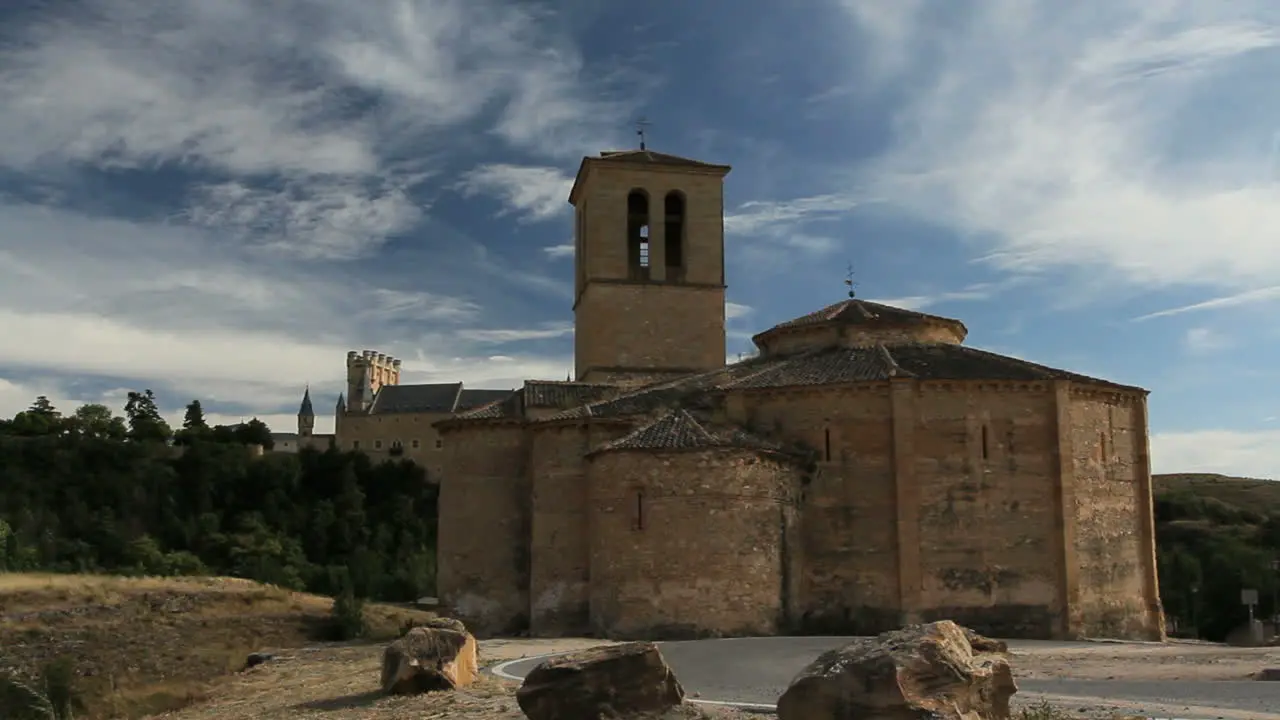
{"x":757,"y":670}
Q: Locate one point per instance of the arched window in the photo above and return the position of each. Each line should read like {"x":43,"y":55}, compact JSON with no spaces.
{"x":673,"y":217}
{"x":638,"y":235}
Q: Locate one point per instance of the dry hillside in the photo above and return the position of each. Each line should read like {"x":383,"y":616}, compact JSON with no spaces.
{"x":1260,"y":495}
{"x":144,"y":645}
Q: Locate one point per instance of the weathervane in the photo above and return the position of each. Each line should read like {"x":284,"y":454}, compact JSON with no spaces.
{"x":848,"y":279}
{"x":641,"y":124}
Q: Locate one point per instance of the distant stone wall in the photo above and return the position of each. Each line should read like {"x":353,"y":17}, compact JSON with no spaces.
{"x":1114,"y":588}
{"x":560,"y":563}
{"x":785,"y":342}
{"x":484,"y":527}
{"x":689,"y":544}
{"x":376,"y":435}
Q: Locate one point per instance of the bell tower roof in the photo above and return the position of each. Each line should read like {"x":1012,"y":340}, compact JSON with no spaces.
{"x":643,"y":158}
{"x":306,"y":410}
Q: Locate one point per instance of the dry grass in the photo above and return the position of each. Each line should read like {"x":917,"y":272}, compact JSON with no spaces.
{"x":145,"y":645}
{"x":342,"y":684}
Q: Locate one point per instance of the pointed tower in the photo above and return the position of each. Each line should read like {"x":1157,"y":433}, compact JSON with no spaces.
{"x":306,"y":415}
{"x":649,"y":266}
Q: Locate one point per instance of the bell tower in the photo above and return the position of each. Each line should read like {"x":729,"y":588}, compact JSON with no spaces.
{"x":648,"y":265}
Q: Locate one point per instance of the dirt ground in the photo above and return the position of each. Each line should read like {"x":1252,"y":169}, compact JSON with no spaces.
{"x":341,"y":683}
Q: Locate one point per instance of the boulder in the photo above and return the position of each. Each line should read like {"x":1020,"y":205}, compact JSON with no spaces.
{"x":603,"y":682}
{"x":938,"y":671}
{"x":426,"y":659}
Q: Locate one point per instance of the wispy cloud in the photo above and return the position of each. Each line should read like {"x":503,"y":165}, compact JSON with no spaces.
{"x":535,"y":193}
{"x":734,"y":310}
{"x":1245,"y":298}
{"x":977,"y":291}
{"x":1202,"y":340}
{"x":557,"y":252}
{"x":508,"y":335}
{"x":1053,"y":132}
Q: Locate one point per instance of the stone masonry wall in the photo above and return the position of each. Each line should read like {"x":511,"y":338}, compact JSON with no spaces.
{"x":800,"y":339}
{"x":560,"y":559}
{"x":1108,"y":442}
{"x":689,"y":544}
{"x":483,"y":555}
{"x":985,"y":466}
{"x":647,"y":326}
{"x":848,"y":575}
{"x":377,"y":433}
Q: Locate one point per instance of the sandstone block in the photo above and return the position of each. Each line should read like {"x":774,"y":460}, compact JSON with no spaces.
{"x":427,"y":659}
{"x":937,"y":671}
{"x":603,"y":682}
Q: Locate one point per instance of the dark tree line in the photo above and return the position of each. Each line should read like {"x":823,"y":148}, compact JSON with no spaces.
{"x":94,"y":492}
{"x":1208,"y":552}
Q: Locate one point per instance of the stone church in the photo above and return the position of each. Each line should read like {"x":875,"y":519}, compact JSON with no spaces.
{"x":866,"y":469}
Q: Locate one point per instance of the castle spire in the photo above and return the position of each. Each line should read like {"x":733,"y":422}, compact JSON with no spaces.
{"x":305,"y":410}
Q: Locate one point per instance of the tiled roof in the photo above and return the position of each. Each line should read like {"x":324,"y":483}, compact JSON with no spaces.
{"x":926,"y":361}
{"x":685,"y":391}
{"x":552,"y":394}
{"x":471,"y":399}
{"x":436,"y":397}
{"x":678,"y":430}
{"x":510,"y":407}
{"x":650,"y":157}
{"x":858,"y":312}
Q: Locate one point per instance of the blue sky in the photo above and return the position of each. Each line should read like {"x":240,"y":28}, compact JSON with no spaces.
{"x":218,"y":199}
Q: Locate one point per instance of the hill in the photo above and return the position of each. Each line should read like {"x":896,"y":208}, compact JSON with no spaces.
{"x":146,"y":645}
{"x":1260,"y":495}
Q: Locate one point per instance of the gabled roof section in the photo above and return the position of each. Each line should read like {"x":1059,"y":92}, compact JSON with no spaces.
{"x":644,"y":157}
{"x":510,"y":407}
{"x":687,"y":391}
{"x":435,"y":397}
{"x":679,"y":430}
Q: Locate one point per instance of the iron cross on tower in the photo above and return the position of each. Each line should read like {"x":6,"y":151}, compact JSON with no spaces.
{"x":641,"y":124}
{"x":848,"y":280}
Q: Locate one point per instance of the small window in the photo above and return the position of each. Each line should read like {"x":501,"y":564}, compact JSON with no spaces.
{"x":439,"y":444}
{"x":986,"y":446}
{"x":377,"y":444}
{"x":355,"y":444}
{"x":827,"y":439}
{"x":415,"y":444}
{"x":637,"y":520}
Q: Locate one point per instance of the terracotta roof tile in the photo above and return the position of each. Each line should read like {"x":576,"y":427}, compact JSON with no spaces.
{"x":650,"y":157}
{"x":551,"y":394}
{"x":855,"y":312}
{"x":682,"y":391}
{"x":679,"y":430}
{"x":470,"y":399}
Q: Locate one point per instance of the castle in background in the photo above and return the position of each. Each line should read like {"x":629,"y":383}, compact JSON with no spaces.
{"x":384,"y":419}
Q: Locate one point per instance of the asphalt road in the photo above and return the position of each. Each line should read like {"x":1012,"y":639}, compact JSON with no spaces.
{"x":758,"y":670}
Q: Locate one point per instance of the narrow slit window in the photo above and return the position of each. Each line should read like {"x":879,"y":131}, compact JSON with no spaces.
{"x":986,"y":445}
{"x":1102,"y":446}
{"x":827,"y":443}
{"x":638,"y":519}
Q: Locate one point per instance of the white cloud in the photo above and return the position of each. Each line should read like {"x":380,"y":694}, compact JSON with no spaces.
{"x":535,"y":193}
{"x":735,"y":310}
{"x":556,"y":252}
{"x":1202,"y":340}
{"x":977,"y":291}
{"x":1244,"y":454}
{"x":777,"y":217}
{"x":501,"y":336}
{"x":1093,"y":136}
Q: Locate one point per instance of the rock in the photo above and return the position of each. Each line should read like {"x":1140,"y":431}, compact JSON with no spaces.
{"x":429,"y":659}
{"x":1268,"y":674}
{"x":258,"y":658}
{"x":920,"y":672}
{"x":602,"y":682}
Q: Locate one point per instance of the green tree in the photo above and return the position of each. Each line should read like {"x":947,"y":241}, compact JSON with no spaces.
{"x":254,"y":432}
{"x":42,"y":418}
{"x":145,"y":422}
{"x":97,"y":421}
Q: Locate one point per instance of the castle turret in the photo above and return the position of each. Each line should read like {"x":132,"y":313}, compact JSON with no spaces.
{"x":306,"y":415}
